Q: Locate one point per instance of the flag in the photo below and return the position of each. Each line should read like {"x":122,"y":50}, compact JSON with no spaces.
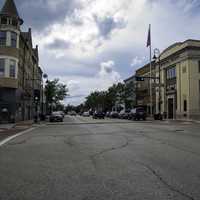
{"x":149,"y":37}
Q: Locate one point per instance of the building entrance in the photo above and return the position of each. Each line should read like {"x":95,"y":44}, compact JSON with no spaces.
{"x":171,"y":108}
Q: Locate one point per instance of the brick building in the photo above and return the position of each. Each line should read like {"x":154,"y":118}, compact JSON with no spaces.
{"x":20,"y":74}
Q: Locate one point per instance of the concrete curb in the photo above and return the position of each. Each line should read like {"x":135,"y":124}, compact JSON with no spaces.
{"x":5,"y":141}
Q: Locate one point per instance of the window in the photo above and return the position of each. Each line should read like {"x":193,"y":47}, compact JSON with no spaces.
{"x":171,"y":73}
{"x":14,"y":22}
{"x":184,"y":69}
{"x":2,"y":67}
{"x":199,"y":94}
{"x":3,"y":20}
{"x":185,"y":106}
{"x":13,"y":39}
{"x":199,"y":86}
{"x":199,"y":66}
{"x":12,"y":68}
{"x":2,"y":38}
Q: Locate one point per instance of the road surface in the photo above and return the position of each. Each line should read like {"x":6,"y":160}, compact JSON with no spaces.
{"x":86,"y":159}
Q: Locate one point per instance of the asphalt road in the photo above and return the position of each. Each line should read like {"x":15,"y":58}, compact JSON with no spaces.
{"x":83,"y":159}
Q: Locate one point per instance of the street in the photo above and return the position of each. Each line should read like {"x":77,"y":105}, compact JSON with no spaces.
{"x":86,"y":159}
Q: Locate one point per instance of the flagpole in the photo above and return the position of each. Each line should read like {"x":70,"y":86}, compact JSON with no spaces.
{"x":150,"y":51}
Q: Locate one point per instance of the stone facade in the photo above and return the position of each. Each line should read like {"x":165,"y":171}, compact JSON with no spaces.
{"x":180,"y":78}
{"x":20,"y":74}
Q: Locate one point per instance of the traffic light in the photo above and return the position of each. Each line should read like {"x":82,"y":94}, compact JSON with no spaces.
{"x":139,"y":78}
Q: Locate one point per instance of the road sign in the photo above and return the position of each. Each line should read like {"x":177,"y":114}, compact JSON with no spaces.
{"x":139,"y":78}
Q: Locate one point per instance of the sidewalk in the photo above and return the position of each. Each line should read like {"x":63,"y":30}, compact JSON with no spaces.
{"x":6,"y":126}
{"x":7,"y":130}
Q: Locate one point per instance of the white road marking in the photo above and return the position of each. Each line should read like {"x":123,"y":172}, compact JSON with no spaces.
{"x":14,"y":136}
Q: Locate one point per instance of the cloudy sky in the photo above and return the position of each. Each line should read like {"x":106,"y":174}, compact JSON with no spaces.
{"x":91,"y":44}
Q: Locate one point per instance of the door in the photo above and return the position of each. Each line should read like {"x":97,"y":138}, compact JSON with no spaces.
{"x":171,"y":108}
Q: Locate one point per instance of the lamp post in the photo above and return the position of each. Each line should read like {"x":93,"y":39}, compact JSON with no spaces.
{"x":45,"y":76}
{"x":155,"y":57}
{"x":36,"y":109}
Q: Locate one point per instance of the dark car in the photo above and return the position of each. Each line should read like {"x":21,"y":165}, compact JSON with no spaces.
{"x":108,"y":114}
{"x":98,"y":115}
{"x":137,"y":114}
{"x":114,"y":114}
{"x":56,"y":117}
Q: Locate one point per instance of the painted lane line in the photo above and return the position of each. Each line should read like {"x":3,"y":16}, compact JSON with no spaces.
{"x":14,"y":136}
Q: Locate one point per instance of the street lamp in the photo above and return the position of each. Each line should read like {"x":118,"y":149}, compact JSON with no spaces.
{"x":36,"y":109}
{"x":155,"y":57}
{"x":45,"y":76}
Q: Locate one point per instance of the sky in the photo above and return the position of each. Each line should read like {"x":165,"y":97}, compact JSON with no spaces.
{"x":91,"y":44}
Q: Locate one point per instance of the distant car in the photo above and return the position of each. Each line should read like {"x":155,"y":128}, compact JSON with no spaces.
{"x":98,"y":115}
{"x":124,"y":114}
{"x":138,"y":114}
{"x":114,"y":114}
{"x":86,"y":114}
{"x":62,"y":113}
{"x":108,"y":114}
{"x":73,"y":113}
{"x":56,"y":117}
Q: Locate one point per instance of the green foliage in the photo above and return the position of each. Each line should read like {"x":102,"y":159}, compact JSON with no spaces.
{"x":55,"y":92}
{"x":106,"y":100}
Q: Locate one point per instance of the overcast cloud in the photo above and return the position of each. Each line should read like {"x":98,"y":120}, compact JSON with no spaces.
{"x":91,"y":44}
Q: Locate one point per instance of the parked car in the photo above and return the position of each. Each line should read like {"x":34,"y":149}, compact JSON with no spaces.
{"x":86,"y":114}
{"x":124,"y":114}
{"x":137,"y":114}
{"x":98,"y":115}
{"x":62,"y":113}
{"x":73,"y":113}
{"x":108,"y":114}
{"x":114,"y":114}
{"x":56,"y":117}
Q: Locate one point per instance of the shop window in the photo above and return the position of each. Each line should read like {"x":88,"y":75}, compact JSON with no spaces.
{"x":3,"y":38}
{"x":2,"y":67}
{"x":185,"y":106}
{"x":13,"y":39}
{"x":12,"y":68}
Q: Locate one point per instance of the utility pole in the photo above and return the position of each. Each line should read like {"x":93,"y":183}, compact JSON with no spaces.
{"x":157,"y":56}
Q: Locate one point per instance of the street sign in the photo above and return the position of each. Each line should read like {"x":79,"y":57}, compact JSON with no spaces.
{"x":139,"y":78}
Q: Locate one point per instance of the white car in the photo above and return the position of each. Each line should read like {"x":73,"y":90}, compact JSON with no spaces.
{"x":62,"y":113}
{"x":86,"y":114}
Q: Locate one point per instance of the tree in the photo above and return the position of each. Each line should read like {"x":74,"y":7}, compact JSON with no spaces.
{"x":55,"y":92}
{"x":106,"y":100}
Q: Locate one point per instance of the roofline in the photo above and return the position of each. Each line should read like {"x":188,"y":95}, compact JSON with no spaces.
{"x":147,"y":65}
{"x":133,"y":76}
{"x":179,"y":43}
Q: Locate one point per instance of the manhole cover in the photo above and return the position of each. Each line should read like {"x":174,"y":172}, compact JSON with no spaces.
{"x":179,"y":130}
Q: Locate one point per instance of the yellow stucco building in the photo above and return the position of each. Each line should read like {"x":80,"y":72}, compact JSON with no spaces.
{"x":180,"y":81}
